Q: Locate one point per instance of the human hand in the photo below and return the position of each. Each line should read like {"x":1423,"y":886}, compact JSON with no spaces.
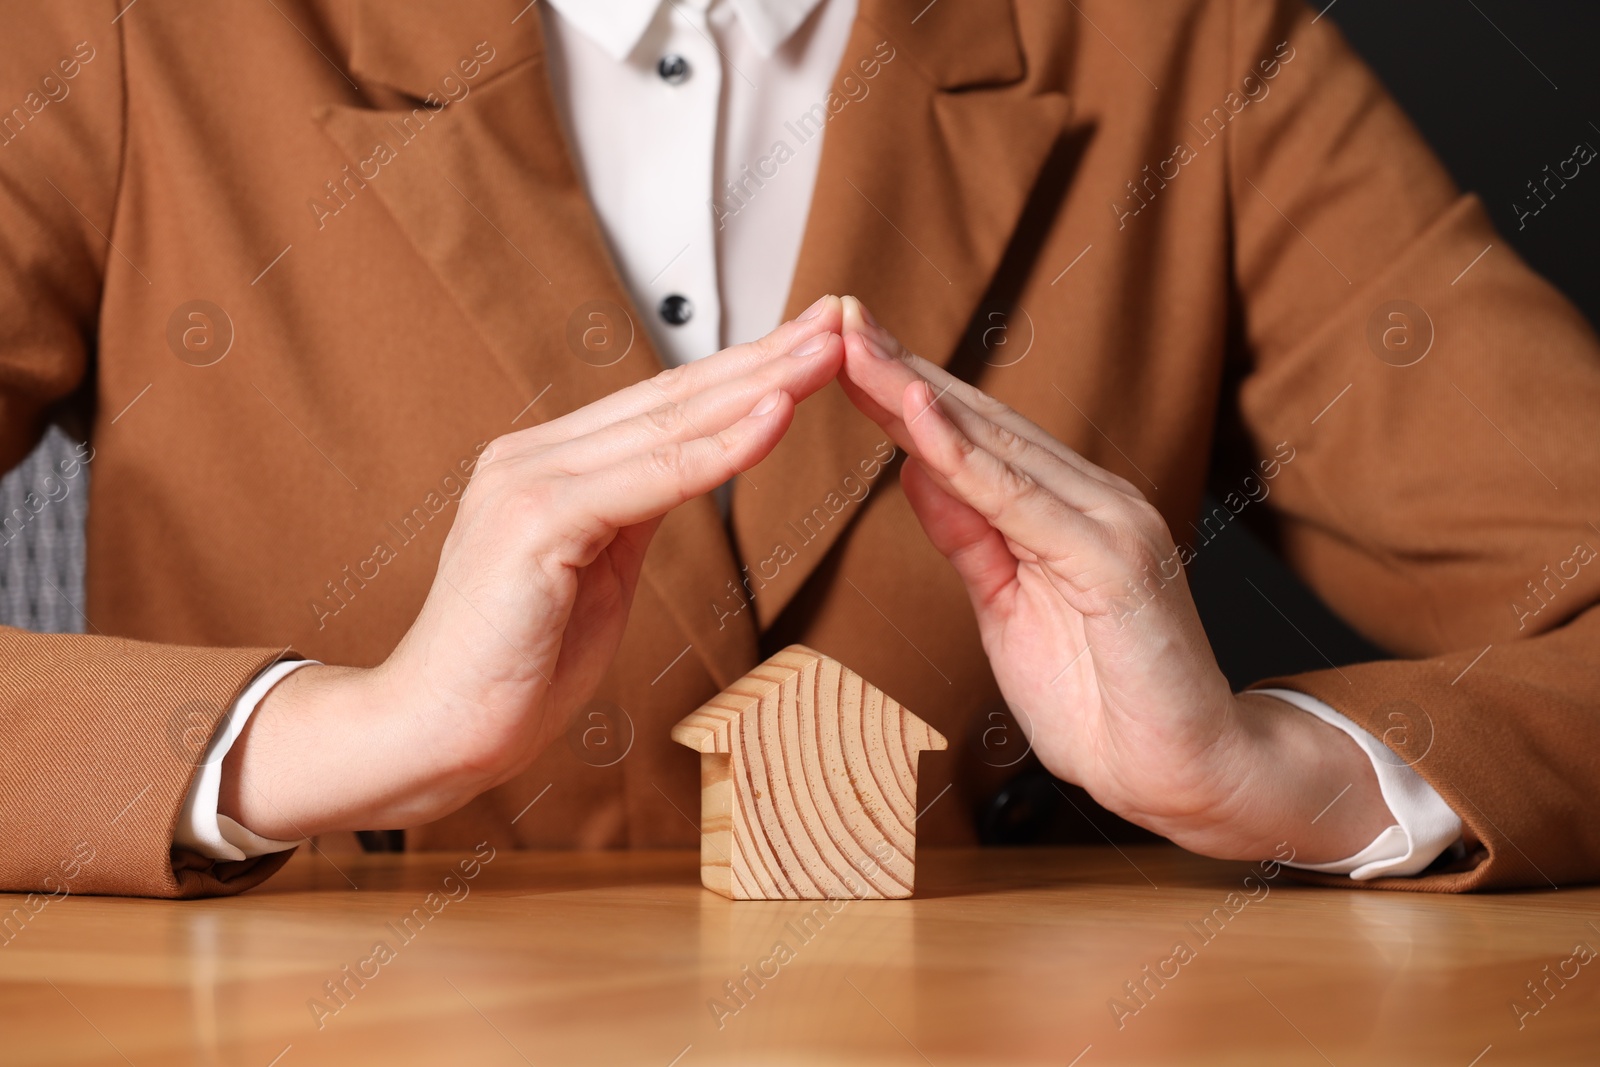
{"x":1092,"y":633}
{"x":529,"y":602}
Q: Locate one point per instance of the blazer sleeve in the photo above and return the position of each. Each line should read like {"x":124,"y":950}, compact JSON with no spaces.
{"x":99,"y":737}
{"x":1441,"y":400}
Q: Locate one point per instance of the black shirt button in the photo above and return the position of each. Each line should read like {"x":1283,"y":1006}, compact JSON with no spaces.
{"x":674,"y":70}
{"x":676,"y":309}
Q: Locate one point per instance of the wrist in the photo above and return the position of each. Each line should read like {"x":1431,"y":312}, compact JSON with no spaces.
{"x":344,"y":748}
{"x":1288,"y":778}
{"x":312,"y":758}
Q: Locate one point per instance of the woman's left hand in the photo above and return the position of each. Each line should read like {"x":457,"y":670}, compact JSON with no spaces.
{"x":1091,"y":630}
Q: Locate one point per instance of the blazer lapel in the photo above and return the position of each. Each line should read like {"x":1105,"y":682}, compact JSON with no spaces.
{"x":919,"y":189}
{"x":485,"y":190}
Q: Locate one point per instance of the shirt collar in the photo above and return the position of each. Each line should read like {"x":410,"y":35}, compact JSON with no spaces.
{"x":617,"y":25}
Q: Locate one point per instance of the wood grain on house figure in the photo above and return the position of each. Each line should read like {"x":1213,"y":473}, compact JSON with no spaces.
{"x":808,"y":783}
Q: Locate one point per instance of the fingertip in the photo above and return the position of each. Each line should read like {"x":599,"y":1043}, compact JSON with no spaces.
{"x":754,"y":437}
{"x":858,"y":322}
{"x":835,"y":306}
{"x":856,"y":315}
{"x":850,"y":309}
{"x":835,"y":350}
{"x":856,"y":351}
{"x":869,"y":358}
{"x":927,"y":423}
{"x":768,"y":404}
{"x":918,"y":397}
{"x":863,"y":374}
{"x":836,"y":360}
{"x":817,"y":366}
{"x":827,"y":311}
{"x":824,"y":316}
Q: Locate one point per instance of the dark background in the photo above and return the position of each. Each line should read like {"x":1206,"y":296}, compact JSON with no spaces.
{"x":1496,"y":121}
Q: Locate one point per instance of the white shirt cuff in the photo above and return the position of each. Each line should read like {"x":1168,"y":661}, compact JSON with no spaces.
{"x":1425,"y":825}
{"x":201,"y":828}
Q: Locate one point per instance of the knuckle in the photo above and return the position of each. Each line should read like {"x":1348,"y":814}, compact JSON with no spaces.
{"x":534,"y":440}
{"x":1142,"y":554}
{"x":671,"y":382}
{"x":988,"y":405}
{"x":667,"y":461}
{"x":1127,"y":545}
{"x":1007,"y":440}
{"x":1146,"y":517}
{"x":533,"y":498}
{"x":1140,"y":535}
{"x":1015,"y":482}
{"x":965,"y":448}
{"x":490,"y":481}
{"x":522,"y":443}
{"x":509,"y":508}
{"x":1122,"y":484}
{"x":771,"y":344}
{"x":496,"y":452}
{"x":665,"y":420}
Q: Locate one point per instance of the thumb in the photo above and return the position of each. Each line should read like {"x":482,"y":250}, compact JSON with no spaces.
{"x":974,"y":548}
{"x":629,"y":548}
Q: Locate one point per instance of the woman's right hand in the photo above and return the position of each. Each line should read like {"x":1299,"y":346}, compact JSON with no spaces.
{"x":529,"y":602}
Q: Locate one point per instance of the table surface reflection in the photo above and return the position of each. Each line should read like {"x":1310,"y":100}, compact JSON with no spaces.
{"x":1004,"y":957}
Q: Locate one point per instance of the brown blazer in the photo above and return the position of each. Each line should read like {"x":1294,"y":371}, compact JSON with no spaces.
{"x":1189,"y":241}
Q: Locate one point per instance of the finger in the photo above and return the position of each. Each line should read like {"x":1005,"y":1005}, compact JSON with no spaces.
{"x":1071,"y":482}
{"x":629,"y":548}
{"x":650,"y":484}
{"x":878,"y":369}
{"x":854,"y":315}
{"x":882,"y":379}
{"x":677,"y":384}
{"x":626,"y":550}
{"x":1089,"y":558}
{"x":1074,"y":484}
{"x":974,"y":548}
{"x":1009,"y":499}
{"x":881,"y":367}
{"x":700,"y":415}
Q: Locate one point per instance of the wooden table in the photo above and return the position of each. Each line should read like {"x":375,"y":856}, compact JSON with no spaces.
{"x":1004,"y":957}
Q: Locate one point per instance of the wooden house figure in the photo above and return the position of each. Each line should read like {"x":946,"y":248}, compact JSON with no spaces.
{"x":808,"y":783}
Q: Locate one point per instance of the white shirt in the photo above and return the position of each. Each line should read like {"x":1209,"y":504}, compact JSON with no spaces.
{"x":684,"y":174}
